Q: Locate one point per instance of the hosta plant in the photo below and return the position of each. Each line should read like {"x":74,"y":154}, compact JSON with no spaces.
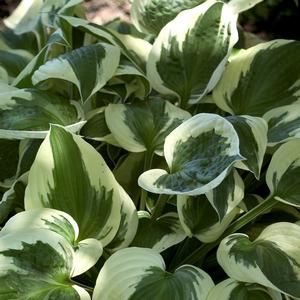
{"x":160,"y":161}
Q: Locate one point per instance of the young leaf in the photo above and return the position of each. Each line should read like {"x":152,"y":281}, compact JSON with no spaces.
{"x":86,"y":252}
{"x":26,"y":113}
{"x":271,"y":260}
{"x":133,"y":273}
{"x":143,"y":126}
{"x":252,"y":132}
{"x":260,"y":78}
{"x":206,"y":217}
{"x":283,"y":173}
{"x":159,"y":234}
{"x":283,"y":123}
{"x":70,"y":175}
{"x":37,"y":264}
{"x":231,"y":289}
{"x":88,"y":67}
{"x":150,"y":16}
{"x":200,"y":153}
{"x":190,"y":52}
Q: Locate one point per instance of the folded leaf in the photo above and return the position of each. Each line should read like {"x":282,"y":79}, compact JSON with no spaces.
{"x":27,"y":113}
{"x":190,"y":52}
{"x":283,"y":123}
{"x":231,"y":289}
{"x":150,"y":16}
{"x":260,"y":78}
{"x":37,"y":264}
{"x":271,"y":260}
{"x":88,"y":67}
{"x":133,"y":273}
{"x":143,"y":126}
{"x":283,"y":174}
{"x":159,"y":234}
{"x":252,"y":132}
{"x":200,"y":153}
{"x":70,"y":175}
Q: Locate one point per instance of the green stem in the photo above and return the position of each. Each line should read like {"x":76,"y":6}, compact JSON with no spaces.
{"x":159,"y":206}
{"x":86,"y":287}
{"x":147,"y":166}
{"x":235,"y":226}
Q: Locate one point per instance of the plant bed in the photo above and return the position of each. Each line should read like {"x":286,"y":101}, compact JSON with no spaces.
{"x":158,"y":160}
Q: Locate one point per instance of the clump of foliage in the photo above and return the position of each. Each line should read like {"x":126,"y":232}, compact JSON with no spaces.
{"x":159,"y":164}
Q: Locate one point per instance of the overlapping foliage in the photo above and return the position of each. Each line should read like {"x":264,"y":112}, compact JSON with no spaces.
{"x":163,"y":164}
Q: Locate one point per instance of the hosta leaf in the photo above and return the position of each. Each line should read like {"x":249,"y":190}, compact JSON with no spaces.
{"x":26,"y":113}
{"x":88,"y":67}
{"x":25,"y":17}
{"x":252,"y":133}
{"x":128,"y":223}
{"x":242,"y":5}
{"x":23,"y":80}
{"x":87,"y":251}
{"x":283,"y":123}
{"x":283,"y":173}
{"x":200,"y":153}
{"x":159,"y":234}
{"x":150,"y":16}
{"x":271,"y":260}
{"x":199,"y":219}
{"x":136,"y":83}
{"x":100,"y":32}
{"x":37,"y":264}
{"x":189,"y":54}
{"x":143,"y":126}
{"x":231,"y":289}
{"x":243,"y":88}
{"x":133,"y":273}
{"x":70,"y":175}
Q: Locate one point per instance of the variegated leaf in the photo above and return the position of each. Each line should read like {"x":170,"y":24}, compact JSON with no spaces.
{"x":242,"y":5}
{"x":283,"y":123}
{"x":206,"y":217}
{"x":133,"y":273}
{"x":243,"y":88}
{"x":190,"y":52}
{"x":88,"y":67}
{"x":86,"y":252}
{"x":159,"y":234}
{"x":252,"y":133}
{"x":271,"y":260}
{"x":144,"y":126}
{"x":283,"y":174}
{"x":37,"y":264}
{"x":200,"y":153}
{"x":231,"y":289}
{"x":70,"y":175}
{"x":150,"y":16}
{"x":27,"y":113}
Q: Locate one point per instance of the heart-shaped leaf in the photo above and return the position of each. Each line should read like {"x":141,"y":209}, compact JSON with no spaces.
{"x":271,"y":260}
{"x":70,"y":175}
{"x":283,"y":174}
{"x":189,"y":54}
{"x":283,"y":123}
{"x":159,"y":234}
{"x":37,"y":264}
{"x":144,"y":126}
{"x":231,"y":289}
{"x":88,"y":67}
{"x":252,"y":132}
{"x":133,"y":273}
{"x":243,"y":88}
{"x":200,"y":153}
